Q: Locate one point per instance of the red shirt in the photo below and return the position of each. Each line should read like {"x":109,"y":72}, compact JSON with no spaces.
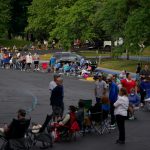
{"x":128,"y":84}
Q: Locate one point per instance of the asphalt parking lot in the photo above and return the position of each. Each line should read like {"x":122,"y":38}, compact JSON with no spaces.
{"x":30,"y":91}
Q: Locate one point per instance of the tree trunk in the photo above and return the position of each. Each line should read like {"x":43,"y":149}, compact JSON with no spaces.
{"x":127,"y":54}
{"x":9,"y":35}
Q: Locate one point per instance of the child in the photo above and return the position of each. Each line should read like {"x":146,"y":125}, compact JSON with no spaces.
{"x":105,"y":107}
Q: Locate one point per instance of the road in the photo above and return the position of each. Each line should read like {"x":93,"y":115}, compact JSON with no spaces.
{"x":23,"y":89}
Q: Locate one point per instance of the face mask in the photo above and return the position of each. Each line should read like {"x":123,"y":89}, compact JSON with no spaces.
{"x":132,"y":94}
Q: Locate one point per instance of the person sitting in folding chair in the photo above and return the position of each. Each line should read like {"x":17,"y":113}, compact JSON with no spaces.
{"x":134,"y":104}
{"x":14,"y":133}
{"x":68,"y":126}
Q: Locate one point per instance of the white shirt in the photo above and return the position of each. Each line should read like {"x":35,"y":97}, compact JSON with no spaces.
{"x":121,"y":106}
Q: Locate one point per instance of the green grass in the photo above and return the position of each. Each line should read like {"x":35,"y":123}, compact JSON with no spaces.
{"x":146,"y":51}
{"x":118,"y":64}
{"x":92,"y":53}
{"x":11,"y":43}
{"x":45,"y":56}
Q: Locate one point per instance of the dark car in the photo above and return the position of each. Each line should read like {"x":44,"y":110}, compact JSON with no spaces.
{"x":67,"y":56}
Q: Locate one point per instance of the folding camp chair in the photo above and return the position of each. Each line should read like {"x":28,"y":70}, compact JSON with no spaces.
{"x":95,"y":115}
{"x":43,"y":135}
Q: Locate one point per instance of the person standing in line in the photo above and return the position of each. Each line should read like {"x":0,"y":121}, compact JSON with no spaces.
{"x":113,"y":95}
{"x":100,"y":88}
{"x":121,"y":108}
{"x":56,"y":99}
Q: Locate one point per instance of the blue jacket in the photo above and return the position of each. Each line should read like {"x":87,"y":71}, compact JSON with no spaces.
{"x":113,"y":92}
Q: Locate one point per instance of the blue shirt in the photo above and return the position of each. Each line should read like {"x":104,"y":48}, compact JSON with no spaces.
{"x":134,"y":99}
{"x":53,"y":61}
{"x":113,"y":92}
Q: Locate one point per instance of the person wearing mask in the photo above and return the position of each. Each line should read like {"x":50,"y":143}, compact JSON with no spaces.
{"x":113,"y":95}
{"x":134,"y":101}
{"x":121,"y":107}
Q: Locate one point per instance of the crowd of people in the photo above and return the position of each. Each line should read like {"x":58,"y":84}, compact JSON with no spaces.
{"x":19,"y":61}
{"x":120,"y":96}
{"x":117,"y":95}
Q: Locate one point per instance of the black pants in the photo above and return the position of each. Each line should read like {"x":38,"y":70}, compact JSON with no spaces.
{"x":121,"y":126}
{"x":143,"y":94}
{"x":113,"y":120}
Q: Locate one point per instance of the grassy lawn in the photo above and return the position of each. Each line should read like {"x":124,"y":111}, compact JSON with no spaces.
{"x":146,"y":51}
{"x":119,"y":64}
{"x":92,"y":53}
{"x":45,"y":56}
{"x":11,"y":43}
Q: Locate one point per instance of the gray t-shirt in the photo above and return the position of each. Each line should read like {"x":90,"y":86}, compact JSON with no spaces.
{"x":100,"y":86}
{"x":52,"y":85}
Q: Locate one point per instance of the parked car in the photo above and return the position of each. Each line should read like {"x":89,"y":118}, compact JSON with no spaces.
{"x":67,"y":56}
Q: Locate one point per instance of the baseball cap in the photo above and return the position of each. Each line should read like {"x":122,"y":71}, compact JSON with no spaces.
{"x":56,"y":75}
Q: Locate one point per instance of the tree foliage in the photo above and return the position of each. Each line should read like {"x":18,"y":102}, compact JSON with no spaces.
{"x":74,"y":22}
{"x":67,"y":20}
{"x":4,"y":15}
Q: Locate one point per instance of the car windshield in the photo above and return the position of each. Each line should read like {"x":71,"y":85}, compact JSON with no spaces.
{"x":57,"y":56}
{"x":65,"y":54}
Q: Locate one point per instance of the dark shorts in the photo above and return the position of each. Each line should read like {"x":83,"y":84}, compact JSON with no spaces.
{"x":36,"y":62}
{"x":57,"y":111}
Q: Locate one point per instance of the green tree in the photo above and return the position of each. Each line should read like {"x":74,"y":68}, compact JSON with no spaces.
{"x":75,"y":22}
{"x":42,"y":15}
{"x":18,"y":18}
{"x":137,"y":29}
{"x":5,"y":9}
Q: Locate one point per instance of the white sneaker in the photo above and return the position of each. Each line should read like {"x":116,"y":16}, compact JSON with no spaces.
{"x":112,"y":126}
{"x":132,"y":118}
{"x":142,"y":105}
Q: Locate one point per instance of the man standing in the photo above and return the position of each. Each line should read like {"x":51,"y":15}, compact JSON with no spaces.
{"x":29,"y":61}
{"x":113,"y":95}
{"x":100,"y":88}
{"x":56,"y":98}
{"x":145,"y":73}
{"x":52,"y":63}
